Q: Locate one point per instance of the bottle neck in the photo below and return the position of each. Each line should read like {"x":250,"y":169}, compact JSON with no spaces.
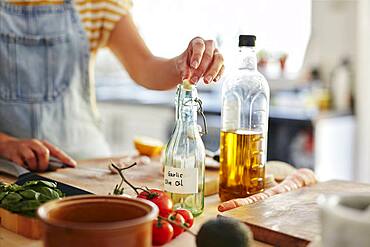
{"x":247,"y":58}
{"x":186,"y":107}
{"x":188,"y":114}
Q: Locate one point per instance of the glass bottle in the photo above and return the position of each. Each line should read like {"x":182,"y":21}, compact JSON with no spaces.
{"x":184,"y":160}
{"x":243,"y":144}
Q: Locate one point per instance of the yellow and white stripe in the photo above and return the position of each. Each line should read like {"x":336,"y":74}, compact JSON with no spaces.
{"x":98,"y":16}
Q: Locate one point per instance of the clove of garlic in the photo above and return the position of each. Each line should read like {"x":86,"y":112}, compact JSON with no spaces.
{"x":143,"y":160}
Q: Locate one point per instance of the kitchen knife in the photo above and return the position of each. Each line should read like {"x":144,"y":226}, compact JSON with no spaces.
{"x":23,"y":175}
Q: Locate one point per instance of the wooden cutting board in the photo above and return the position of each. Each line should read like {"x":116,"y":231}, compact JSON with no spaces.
{"x":292,"y":218}
{"x":94,"y":176}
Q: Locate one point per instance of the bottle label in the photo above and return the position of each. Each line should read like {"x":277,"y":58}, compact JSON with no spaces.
{"x":181,"y":180}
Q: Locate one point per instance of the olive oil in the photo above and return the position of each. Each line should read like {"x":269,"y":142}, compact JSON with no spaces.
{"x":242,"y":163}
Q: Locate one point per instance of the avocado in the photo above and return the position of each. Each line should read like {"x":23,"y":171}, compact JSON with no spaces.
{"x":224,"y":232}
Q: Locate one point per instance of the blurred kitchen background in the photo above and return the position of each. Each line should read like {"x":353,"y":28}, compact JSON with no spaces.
{"x":315,"y":55}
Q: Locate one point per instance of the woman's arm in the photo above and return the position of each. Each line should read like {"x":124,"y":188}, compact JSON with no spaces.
{"x":200,"y":59}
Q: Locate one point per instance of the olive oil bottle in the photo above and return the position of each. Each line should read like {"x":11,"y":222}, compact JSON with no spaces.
{"x":243,"y":144}
{"x":184,"y":159}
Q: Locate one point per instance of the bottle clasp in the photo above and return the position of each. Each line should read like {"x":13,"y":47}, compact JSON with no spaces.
{"x":201,"y":112}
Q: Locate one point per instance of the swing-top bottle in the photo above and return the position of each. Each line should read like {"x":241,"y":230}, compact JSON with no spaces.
{"x":184,"y":160}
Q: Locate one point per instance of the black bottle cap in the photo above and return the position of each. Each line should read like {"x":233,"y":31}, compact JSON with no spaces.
{"x":247,"y":40}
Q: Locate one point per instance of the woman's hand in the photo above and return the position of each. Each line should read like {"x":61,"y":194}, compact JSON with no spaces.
{"x":32,"y":154}
{"x":200,"y":59}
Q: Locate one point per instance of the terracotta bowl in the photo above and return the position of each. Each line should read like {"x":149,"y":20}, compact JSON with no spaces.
{"x":97,"y":221}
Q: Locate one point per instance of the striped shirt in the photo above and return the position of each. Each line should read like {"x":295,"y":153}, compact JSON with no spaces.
{"x":98,"y":16}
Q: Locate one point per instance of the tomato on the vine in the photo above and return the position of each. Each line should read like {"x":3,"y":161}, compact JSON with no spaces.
{"x":188,"y":216}
{"x":162,"y":232}
{"x":177,"y":222}
{"x":160,"y":199}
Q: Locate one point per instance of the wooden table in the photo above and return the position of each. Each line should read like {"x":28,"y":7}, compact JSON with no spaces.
{"x":94,"y":176}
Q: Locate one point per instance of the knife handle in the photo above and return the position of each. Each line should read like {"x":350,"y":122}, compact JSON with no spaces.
{"x":12,"y":168}
{"x":55,"y":163}
{"x":53,"y":166}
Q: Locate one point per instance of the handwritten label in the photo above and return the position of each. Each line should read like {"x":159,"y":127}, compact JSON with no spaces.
{"x":181,"y":180}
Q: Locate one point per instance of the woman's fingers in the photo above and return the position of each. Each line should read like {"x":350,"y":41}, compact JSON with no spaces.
{"x":197,"y":48}
{"x":59,"y":154}
{"x":182,"y":67}
{"x":201,"y":59}
{"x":220,"y":73}
{"x":42,"y":154}
{"x":214,"y":68}
{"x":28,"y":157}
{"x":206,"y":61}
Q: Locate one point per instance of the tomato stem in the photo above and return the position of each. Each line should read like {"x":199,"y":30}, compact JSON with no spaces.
{"x":150,"y":194}
{"x":177,"y":224}
{"x":125,"y":168}
{"x":123,"y":179}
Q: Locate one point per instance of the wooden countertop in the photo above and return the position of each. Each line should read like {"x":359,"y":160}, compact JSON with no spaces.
{"x":94,"y":176}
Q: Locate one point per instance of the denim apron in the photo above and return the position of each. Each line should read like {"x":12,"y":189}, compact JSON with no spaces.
{"x":45,"y":92}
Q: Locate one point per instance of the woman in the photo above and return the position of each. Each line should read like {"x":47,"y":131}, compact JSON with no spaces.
{"x":47,"y":98}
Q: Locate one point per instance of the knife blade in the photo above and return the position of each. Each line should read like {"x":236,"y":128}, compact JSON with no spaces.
{"x":23,"y":175}
{"x":55,"y":163}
